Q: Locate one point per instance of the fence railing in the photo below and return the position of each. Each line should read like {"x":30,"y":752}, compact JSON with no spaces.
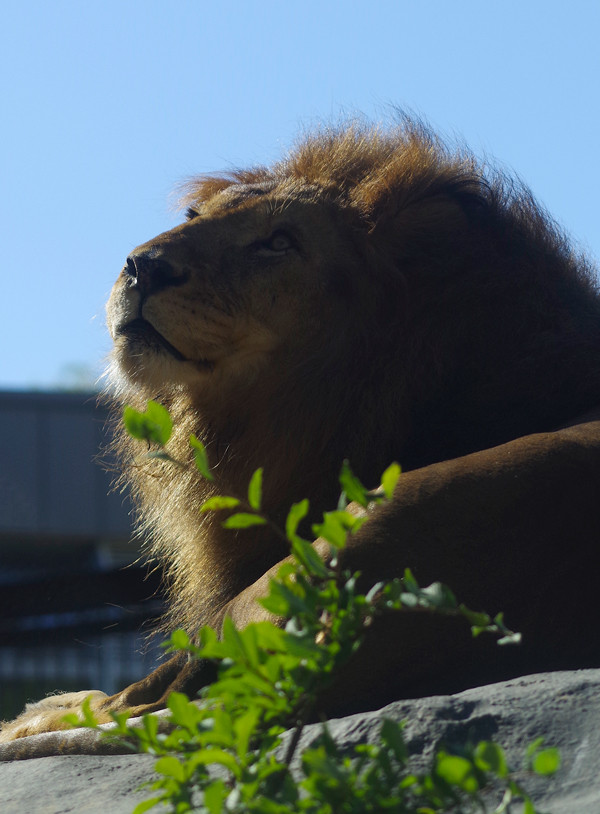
{"x":76,"y":632}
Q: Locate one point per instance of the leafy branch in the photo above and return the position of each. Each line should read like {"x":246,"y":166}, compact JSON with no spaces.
{"x":219,"y":754}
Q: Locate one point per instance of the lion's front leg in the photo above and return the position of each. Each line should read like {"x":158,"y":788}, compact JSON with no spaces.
{"x":145,"y":696}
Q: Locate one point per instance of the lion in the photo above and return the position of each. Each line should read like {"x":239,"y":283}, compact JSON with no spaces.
{"x":376,"y":295}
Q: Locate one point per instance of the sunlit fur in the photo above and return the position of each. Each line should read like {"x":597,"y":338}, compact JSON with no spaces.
{"x":454,"y":316}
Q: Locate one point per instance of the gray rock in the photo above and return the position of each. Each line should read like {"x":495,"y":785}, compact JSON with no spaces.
{"x":75,"y":784}
{"x":564,"y":708}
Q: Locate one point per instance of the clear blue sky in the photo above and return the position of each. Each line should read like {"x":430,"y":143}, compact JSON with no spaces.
{"x":108,"y":105}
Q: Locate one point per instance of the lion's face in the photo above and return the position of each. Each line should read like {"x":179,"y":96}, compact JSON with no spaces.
{"x":253,"y":279}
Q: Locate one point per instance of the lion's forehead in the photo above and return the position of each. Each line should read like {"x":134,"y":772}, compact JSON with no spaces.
{"x":237,"y":194}
{"x":275,"y":191}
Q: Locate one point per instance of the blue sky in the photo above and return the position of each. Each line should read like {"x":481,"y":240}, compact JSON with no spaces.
{"x":108,"y":105}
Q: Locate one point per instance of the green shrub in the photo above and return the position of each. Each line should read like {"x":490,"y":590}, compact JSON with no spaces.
{"x":219,"y":755}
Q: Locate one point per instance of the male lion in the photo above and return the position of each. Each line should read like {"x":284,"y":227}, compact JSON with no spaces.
{"x":374,"y":296}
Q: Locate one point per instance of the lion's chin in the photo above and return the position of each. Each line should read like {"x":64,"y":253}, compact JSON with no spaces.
{"x":141,"y":334}
{"x":141,"y":348}
{"x":148,"y":370}
{"x":144,"y":363}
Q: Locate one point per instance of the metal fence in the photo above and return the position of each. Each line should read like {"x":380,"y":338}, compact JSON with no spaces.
{"x":76,"y":632}
{"x":73,"y":608}
{"x":105,"y":661}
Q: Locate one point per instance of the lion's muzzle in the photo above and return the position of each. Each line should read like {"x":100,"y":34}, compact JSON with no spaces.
{"x":151,"y":273}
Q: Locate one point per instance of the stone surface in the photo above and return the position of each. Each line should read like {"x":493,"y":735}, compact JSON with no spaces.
{"x":564,"y":708}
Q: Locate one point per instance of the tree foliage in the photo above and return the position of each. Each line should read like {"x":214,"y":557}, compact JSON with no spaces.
{"x":227,"y":751}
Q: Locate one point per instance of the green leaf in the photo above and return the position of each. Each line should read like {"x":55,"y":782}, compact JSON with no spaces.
{"x":243,"y":520}
{"x":374,"y":592}
{"x":214,"y":796}
{"x":206,"y":757}
{"x":214,"y":504}
{"x":152,"y":425}
{"x":170,"y":767}
{"x":336,"y":526}
{"x":282,"y":601}
{"x":245,"y":726}
{"x":490,"y":757}
{"x":309,"y":558}
{"x":276,"y":603}
{"x":183,"y":711}
{"x":241,"y":642}
{"x":438,"y":595}
{"x":201,"y":458}
{"x":146,"y":805}
{"x":546,"y":761}
{"x":295,"y":516}
{"x":87,"y":717}
{"x":211,"y":647}
{"x":511,"y":638}
{"x":255,"y":490}
{"x":390,"y":478}
{"x":120,"y":718}
{"x":179,"y":639}
{"x":331,"y":530}
{"x":480,"y":620}
{"x":391,"y":735}
{"x":353,"y":488}
{"x":457,"y":771}
{"x":534,"y":746}
{"x":270,"y":637}
{"x":150,"y":726}
{"x":410,"y":583}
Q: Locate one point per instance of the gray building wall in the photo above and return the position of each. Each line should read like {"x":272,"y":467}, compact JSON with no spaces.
{"x":50,"y":483}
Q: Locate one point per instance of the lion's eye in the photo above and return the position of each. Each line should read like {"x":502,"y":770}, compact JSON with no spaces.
{"x":278,"y":243}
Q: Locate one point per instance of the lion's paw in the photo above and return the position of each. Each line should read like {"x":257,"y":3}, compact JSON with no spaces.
{"x":46,"y":715}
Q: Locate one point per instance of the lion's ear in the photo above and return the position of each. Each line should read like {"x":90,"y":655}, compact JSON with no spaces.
{"x":440,"y":216}
{"x":409,"y":212}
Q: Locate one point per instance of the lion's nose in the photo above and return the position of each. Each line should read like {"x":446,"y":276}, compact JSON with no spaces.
{"x":151,"y":273}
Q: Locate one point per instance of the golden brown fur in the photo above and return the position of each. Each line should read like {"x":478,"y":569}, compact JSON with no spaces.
{"x":373,"y":296}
